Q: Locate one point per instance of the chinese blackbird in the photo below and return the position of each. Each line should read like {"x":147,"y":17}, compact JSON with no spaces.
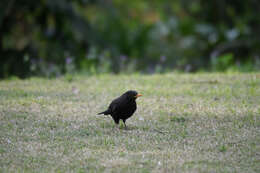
{"x":122,"y":107}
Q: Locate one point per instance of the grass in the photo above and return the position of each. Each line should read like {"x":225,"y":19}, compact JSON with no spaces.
{"x":184,"y":123}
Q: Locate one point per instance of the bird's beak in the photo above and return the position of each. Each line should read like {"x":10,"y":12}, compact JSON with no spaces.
{"x":138,"y":95}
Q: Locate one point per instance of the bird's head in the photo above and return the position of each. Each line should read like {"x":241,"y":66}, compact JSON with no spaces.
{"x":132,"y":94}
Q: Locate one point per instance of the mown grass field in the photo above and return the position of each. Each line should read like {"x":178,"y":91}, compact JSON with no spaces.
{"x":183,"y":123}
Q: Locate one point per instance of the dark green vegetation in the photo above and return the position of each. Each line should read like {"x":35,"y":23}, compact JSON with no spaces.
{"x":49,"y":37}
{"x":184,"y":123}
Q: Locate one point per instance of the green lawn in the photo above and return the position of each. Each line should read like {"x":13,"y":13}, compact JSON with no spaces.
{"x":183,"y":123}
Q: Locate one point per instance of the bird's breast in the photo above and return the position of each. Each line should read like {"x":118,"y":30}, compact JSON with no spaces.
{"x":130,"y":109}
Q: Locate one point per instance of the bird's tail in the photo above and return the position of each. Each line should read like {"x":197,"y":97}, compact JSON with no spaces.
{"x":105,"y":112}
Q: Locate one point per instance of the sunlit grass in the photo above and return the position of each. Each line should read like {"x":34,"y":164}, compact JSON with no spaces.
{"x":184,"y":123}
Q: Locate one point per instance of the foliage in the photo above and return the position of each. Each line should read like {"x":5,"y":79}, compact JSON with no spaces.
{"x":47,"y":37}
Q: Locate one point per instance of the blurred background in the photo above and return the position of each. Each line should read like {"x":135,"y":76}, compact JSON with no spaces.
{"x":55,"y":37}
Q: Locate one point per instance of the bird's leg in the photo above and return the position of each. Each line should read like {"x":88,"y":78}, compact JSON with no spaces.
{"x":116,"y":122}
{"x":125,"y":124}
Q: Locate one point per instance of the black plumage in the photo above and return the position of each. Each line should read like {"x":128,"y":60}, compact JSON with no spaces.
{"x":122,"y":107}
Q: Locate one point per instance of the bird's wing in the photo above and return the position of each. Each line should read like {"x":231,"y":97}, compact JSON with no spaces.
{"x":114,"y":105}
{"x":117,"y":105}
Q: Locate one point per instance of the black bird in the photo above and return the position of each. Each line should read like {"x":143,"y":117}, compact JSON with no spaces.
{"x":122,"y":107}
